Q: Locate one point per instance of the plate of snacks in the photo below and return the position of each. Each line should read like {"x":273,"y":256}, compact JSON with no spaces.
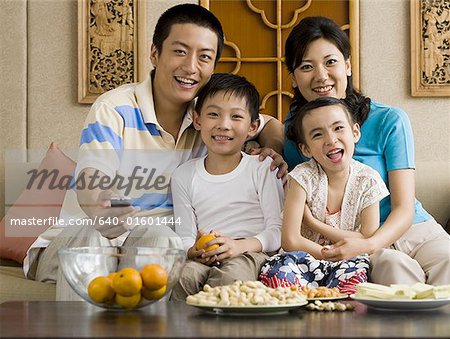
{"x":395,"y":297}
{"x":322,"y":293}
{"x":247,"y":298}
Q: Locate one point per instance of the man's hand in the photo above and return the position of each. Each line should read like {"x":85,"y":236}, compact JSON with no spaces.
{"x":111,"y":221}
{"x":278,"y":161}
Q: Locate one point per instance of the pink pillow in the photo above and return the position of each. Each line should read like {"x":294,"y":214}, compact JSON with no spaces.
{"x":39,"y":203}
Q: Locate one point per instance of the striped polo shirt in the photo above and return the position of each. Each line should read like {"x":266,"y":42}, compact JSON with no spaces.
{"x":123,"y":139}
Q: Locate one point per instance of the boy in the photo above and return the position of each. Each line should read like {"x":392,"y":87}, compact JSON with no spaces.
{"x":141,"y":133}
{"x":227,"y":192}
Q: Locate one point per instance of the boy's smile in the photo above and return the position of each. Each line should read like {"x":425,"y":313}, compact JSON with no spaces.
{"x":225,"y":123}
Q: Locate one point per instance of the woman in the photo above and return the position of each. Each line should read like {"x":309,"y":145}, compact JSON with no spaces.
{"x":409,"y":246}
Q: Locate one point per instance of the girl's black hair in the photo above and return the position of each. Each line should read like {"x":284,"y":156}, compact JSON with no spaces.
{"x":308,"y":30}
{"x":295,"y":130}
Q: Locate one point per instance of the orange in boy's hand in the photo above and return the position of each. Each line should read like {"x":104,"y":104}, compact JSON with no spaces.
{"x":200,"y":244}
{"x":154,"y":277}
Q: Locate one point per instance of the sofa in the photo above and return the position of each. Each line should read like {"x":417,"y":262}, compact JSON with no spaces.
{"x":432,"y":189}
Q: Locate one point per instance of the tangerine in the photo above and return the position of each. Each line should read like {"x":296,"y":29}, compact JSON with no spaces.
{"x":200,"y":244}
{"x":100,"y":289}
{"x":127,"y":282}
{"x":153,"y":294}
{"x":154,"y":276}
{"x":128,"y":302}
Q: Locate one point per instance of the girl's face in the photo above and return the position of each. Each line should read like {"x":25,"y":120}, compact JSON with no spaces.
{"x":329,"y":138}
{"x":322,"y":72}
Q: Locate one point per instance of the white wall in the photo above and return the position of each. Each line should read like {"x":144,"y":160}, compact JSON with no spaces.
{"x":385,"y":77}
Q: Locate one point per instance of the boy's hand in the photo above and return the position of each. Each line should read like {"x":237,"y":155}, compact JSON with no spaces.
{"x":228,"y":248}
{"x":278,"y":161}
{"x":198,"y":255}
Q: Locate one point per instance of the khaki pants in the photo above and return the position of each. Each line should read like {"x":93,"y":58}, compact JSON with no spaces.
{"x":195,"y":275}
{"x":422,"y":254}
{"x":47,"y":266}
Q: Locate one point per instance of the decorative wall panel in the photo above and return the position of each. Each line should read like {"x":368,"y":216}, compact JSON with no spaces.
{"x":430,"y":48}
{"x":255,"y":34}
{"x":111,"y":39}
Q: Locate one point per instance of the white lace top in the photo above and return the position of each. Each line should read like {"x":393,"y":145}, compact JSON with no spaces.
{"x":364,"y":188}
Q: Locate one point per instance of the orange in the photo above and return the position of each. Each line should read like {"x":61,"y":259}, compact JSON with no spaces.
{"x":112,"y":275}
{"x":153,"y":294}
{"x":100,"y":289}
{"x":200,"y":244}
{"x":127,"y":282}
{"x":154,"y":276}
{"x":128,"y":302}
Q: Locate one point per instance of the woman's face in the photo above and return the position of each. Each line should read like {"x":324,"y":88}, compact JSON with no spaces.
{"x":322,"y":72}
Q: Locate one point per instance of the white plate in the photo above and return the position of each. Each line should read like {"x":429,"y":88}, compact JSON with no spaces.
{"x":342,"y":296}
{"x":249,"y":310}
{"x":401,"y":304}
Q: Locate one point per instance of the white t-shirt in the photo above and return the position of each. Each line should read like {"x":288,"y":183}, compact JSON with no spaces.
{"x":246,"y":202}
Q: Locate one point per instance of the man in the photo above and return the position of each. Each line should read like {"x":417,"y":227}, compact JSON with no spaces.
{"x":136,"y":135}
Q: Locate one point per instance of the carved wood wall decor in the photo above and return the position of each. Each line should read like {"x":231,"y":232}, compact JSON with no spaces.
{"x":430,"y":48}
{"x":111,"y":45}
{"x":257,"y":52}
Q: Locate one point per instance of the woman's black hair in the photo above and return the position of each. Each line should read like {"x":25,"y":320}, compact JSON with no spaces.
{"x":308,"y":30}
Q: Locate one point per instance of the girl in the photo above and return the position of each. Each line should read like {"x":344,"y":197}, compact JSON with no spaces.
{"x":410,"y":246}
{"x":342,"y":194}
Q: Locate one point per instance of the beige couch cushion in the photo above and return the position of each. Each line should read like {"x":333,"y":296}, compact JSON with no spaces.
{"x":14,"y":286}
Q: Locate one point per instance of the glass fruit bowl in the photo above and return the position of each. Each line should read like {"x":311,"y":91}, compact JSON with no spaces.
{"x":121,"y":277}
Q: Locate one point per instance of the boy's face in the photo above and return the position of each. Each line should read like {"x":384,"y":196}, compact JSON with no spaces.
{"x":330,"y":138}
{"x":224,"y":123}
{"x":185,"y":63}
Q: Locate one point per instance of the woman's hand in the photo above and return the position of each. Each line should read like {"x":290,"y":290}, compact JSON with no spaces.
{"x":278,"y":161}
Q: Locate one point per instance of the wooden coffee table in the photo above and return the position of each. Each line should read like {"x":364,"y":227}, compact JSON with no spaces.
{"x":178,"y":320}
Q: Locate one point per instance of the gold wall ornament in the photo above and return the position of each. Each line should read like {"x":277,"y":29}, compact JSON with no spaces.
{"x":111,"y":45}
{"x":430,"y":48}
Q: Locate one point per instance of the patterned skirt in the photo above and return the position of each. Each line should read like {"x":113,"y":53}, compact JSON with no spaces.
{"x":302,"y":269}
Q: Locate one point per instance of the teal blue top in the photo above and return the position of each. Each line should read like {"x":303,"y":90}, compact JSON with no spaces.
{"x":386,"y":144}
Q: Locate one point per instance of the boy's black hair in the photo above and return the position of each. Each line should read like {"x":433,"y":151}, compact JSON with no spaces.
{"x":295,"y":130}
{"x":311,"y":29}
{"x":231,"y":84}
{"x":187,"y":14}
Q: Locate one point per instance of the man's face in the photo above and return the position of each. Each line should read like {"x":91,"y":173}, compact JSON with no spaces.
{"x":185,"y":63}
